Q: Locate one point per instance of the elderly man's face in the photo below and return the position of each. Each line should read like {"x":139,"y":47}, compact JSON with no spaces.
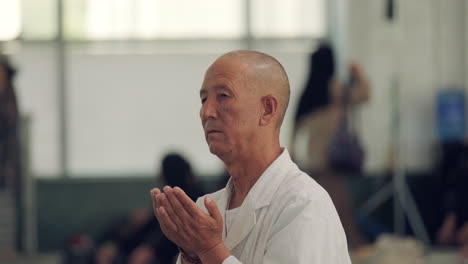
{"x":230,"y":107}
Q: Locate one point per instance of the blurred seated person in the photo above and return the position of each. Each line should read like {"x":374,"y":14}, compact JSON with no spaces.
{"x":316,"y":123}
{"x":453,"y":183}
{"x":140,"y":240}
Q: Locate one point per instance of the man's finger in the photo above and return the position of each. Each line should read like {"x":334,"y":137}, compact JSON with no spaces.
{"x":164,"y":203}
{"x":166,"y":222}
{"x":186,"y":202}
{"x":154,"y":192}
{"x":213,"y":209}
{"x":176,"y":205}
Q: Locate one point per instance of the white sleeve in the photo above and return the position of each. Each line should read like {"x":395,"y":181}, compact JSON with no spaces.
{"x":307,"y":233}
{"x":231,"y":260}
{"x":228,"y":260}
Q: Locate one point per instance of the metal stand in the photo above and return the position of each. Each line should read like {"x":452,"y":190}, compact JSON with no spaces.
{"x":403,"y":203}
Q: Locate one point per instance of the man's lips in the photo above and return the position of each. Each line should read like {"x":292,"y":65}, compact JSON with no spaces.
{"x":211,"y":131}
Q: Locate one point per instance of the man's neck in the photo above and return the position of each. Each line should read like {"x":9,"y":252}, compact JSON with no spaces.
{"x":246,"y":170}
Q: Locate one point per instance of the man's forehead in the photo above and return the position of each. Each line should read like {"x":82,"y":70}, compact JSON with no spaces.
{"x":218,"y":82}
{"x":230,"y":72}
{"x":226,"y":66}
{"x":220,"y":72}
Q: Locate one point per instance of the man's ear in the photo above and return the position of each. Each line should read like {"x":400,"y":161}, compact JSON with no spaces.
{"x":270,"y":109}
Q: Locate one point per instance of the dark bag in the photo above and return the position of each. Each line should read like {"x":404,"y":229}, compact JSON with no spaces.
{"x":345,"y":152}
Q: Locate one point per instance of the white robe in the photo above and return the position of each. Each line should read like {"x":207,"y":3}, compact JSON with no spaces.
{"x":286,"y":218}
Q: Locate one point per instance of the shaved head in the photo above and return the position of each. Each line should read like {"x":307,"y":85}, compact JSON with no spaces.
{"x":265,"y":74}
{"x":244,"y":97}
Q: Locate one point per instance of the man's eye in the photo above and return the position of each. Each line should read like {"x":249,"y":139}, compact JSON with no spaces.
{"x":223,"y":95}
{"x":203,"y":100}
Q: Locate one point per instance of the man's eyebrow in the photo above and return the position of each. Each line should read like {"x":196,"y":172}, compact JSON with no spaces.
{"x":217,"y":88}
{"x":224,"y":88}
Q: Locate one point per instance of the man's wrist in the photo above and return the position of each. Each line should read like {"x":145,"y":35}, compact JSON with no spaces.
{"x":189,"y":258}
{"x":216,"y":255}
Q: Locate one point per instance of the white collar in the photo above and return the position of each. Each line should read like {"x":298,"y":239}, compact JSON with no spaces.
{"x":260,"y":195}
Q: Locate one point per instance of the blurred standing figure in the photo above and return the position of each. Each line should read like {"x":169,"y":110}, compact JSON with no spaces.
{"x":9,"y":122}
{"x":317,"y":121}
{"x":10,"y":170}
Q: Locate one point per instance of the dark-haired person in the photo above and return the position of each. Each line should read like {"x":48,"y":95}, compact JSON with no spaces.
{"x":316,"y":123}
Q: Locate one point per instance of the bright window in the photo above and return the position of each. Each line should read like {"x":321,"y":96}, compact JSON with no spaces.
{"x":163,"y":19}
{"x":38,"y":19}
{"x":153,"y":19}
{"x":292,"y":18}
{"x":9,"y":19}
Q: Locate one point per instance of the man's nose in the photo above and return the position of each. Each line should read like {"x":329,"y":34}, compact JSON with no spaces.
{"x":208,"y":110}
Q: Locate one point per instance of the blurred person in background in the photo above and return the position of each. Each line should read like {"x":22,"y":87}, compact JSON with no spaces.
{"x":9,"y":128}
{"x":139,"y":240}
{"x":316,"y":123}
{"x":10,"y":159}
{"x":452,"y":183}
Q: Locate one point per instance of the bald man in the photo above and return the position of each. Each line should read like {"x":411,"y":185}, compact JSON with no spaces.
{"x":269,"y":211}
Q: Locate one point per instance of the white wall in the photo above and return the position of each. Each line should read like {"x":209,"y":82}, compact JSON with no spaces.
{"x":128,"y":105}
{"x":138,"y":107}
{"x":423,"y":50}
{"x":125,"y":110}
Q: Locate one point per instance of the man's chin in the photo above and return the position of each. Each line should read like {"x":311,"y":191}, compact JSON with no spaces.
{"x":214,"y":150}
{"x":217,"y":150}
